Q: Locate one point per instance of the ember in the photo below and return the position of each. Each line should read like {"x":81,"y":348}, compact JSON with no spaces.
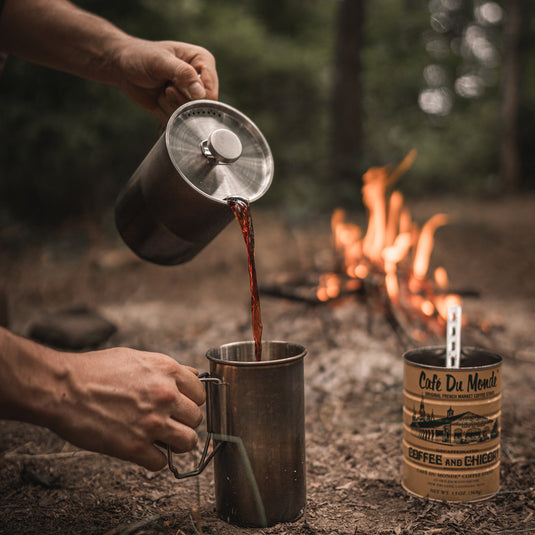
{"x":393,"y":256}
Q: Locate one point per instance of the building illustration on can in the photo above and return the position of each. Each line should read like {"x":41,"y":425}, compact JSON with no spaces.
{"x":464,"y":428}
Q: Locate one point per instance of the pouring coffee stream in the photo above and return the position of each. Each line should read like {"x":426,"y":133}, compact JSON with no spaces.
{"x":240,"y":207}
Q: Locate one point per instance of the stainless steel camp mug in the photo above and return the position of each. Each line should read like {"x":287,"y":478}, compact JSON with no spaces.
{"x":255,"y":417}
{"x":175,"y":202}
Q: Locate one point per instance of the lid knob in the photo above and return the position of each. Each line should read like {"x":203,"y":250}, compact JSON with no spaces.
{"x":222,"y":145}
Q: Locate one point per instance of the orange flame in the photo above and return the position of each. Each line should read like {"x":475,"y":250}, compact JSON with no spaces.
{"x":329,"y":287}
{"x":393,"y":247}
{"x":425,"y":245}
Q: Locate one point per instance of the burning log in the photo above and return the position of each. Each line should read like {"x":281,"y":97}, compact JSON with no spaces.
{"x":306,"y":291}
{"x":302,"y":291}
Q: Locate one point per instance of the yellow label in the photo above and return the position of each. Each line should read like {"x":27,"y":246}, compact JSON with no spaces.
{"x":451,"y":421}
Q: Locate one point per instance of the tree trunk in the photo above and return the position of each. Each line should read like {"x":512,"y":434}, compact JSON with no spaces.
{"x":347,"y":97}
{"x":510,"y":172}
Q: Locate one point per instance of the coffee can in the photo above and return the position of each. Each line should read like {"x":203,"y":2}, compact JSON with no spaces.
{"x":451,"y":424}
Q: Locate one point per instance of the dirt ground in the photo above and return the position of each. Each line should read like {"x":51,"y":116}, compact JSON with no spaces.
{"x":353,"y":374}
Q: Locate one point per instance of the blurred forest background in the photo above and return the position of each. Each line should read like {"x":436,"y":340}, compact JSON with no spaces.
{"x":335,"y":86}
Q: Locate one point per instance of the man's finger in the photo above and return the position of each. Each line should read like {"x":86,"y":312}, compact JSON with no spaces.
{"x":179,"y":437}
{"x":186,"y":411}
{"x":189,"y":384}
{"x":150,"y":458}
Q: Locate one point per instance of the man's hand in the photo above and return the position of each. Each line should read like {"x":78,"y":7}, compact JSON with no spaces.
{"x":160,"y":76}
{"x":121,"y":402}
{"x":118,"y":401}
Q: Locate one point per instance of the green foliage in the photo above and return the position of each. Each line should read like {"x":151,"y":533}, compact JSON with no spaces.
{"x":458,"y":151}
{"x":69,"y":145}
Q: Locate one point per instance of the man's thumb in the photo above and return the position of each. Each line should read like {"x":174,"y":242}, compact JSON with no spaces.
{"x":195,"y":91}
{"x":188,"y":82}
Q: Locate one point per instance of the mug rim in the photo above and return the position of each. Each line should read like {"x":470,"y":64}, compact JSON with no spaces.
{"x":299,"y":352}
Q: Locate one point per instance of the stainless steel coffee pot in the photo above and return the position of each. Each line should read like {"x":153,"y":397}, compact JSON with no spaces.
{"x":175,"y":202}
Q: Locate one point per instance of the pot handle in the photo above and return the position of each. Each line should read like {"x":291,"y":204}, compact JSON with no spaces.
{"x":215,"y":423}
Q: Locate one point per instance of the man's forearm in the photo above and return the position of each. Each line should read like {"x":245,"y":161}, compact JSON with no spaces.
{"x":159,"y":76}
{"x":30,"y":380}
{"x":58,"y":34}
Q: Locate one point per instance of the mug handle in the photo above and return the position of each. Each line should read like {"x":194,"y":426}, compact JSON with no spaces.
{"x":205,"y":457}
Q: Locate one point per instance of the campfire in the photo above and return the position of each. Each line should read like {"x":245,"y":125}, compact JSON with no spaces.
{"x":390,"y":260}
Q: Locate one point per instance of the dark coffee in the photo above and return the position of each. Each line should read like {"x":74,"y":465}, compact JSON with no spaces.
{"x":240,"y":207}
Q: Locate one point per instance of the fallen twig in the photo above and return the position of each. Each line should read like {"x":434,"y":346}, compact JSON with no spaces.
{"x":132,"y":528}
{"x":14,"y":456}
{"x":512,"y":532}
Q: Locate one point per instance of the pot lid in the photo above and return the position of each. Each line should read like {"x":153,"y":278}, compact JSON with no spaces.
{"x":219,"y":151}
